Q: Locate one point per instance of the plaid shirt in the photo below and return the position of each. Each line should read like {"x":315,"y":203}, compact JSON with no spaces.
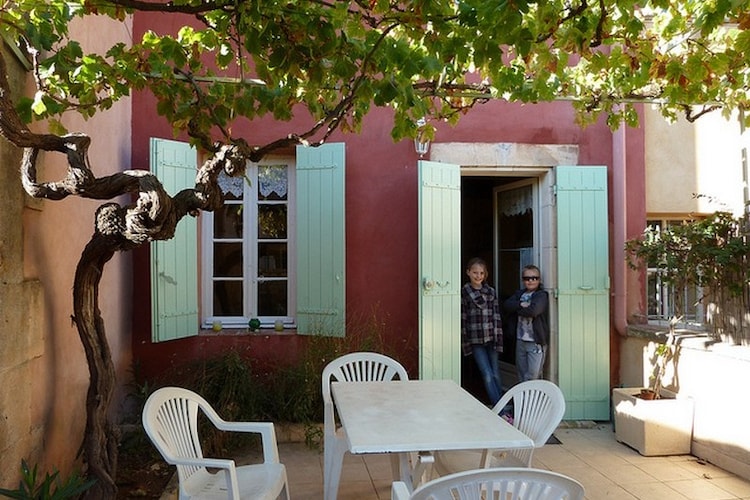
{"x":480,"y":318}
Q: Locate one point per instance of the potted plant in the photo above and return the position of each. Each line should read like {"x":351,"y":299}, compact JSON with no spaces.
{"x":663,"y":354}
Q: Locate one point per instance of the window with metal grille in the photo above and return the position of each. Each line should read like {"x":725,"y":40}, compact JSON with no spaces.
{"x":664,"y":300}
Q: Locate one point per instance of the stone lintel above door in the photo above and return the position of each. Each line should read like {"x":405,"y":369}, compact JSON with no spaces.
{"x":478,"y":155}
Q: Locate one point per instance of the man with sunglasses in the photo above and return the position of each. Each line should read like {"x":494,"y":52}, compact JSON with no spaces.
{"x":526,"y":315}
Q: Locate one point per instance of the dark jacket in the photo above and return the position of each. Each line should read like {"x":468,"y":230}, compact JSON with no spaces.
{"x":538,"y":309}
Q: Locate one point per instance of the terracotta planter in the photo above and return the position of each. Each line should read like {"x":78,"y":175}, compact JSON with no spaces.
{"x":653,"y":427}
{"x":648,"y":394}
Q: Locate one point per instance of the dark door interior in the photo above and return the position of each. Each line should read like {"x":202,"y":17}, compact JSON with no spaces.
{"x":478,"y":240}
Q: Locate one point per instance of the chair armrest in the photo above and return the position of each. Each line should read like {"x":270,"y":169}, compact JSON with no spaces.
{"x":259,"y":427}
{"x":399,"y":491}
{"x":227,"y":466}
{"x":266,"y":431}
{"x":215,"y":463}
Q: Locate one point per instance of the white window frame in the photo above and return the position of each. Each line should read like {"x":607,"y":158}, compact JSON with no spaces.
{"x":250,"y":277}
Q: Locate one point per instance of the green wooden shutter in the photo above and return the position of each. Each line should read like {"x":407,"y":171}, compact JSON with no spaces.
{"x":321,"y":240}
{"x":439,"y":271}
{"x":583,"y":291}
{"x":174,"y":263}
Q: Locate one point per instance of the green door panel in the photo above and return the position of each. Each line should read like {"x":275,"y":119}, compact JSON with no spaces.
{"x":321,"y":240}
{"x":583,"y":291}
{"x":174,"y":263}
{"x":439,"y":271}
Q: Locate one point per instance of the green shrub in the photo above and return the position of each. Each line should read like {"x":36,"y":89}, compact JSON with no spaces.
{"x":289,"y":393}
{"x":51,"y":487}
{"x":710,"y":253}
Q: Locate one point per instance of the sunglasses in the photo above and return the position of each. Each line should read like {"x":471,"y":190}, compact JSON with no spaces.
{"x":530,"y":278}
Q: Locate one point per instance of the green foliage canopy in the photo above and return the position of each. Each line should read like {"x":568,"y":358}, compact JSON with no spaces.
{"x":241,"y":59}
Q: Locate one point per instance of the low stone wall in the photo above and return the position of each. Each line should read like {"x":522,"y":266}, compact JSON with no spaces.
{"x":715,"y":375}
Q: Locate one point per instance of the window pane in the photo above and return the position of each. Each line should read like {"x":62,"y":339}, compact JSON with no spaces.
{"x":227,"y":260}
{"x":272,"y":182}
{"x":272,"y":222}
{"x":272,"y":298}
{"x":228,"y":298}
{"x":272,"y":260}
{"x":228,"y":222}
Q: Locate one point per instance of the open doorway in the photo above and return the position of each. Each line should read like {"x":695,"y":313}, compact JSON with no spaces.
{"x":500,"y":225}
{"x":571,"y":224}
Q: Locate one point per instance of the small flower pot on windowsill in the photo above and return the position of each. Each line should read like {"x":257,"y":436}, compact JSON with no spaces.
{"x":655,"y":427}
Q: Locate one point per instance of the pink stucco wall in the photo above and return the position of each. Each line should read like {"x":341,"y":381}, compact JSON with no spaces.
{"x":46,"y":376}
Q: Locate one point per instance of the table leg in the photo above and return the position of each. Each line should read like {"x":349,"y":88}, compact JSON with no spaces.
{"x":396,"y":466}
{"x":333,"y":455}
{"x":422,"y":468}
{"x":404,"y":470}
{"x":413,"y":468}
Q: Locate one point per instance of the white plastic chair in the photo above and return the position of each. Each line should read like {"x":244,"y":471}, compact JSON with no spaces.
{"x":538,"y":408}
{"x":170,"y":418}
{"x":353,"y":367}
{"x":506,"y":483}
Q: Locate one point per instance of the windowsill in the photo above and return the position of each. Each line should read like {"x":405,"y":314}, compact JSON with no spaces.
{"x":658,"y":332}
{"x":690,"y":338}
{"x":238,"y":332}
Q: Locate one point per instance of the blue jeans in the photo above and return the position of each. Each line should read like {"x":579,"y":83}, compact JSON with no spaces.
{"x":529,"y":360}
{"x":488,"y":363}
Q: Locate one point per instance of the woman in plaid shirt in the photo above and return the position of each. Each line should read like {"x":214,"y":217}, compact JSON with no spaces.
{"x":481,"y":327}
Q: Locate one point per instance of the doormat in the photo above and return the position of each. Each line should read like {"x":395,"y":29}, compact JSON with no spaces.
{"x":553,"y":440}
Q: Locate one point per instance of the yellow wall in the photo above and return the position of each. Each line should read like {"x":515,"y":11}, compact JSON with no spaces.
{"x":683,"y":159}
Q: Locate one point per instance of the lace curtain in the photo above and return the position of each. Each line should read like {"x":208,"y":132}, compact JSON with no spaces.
{"x":230,"y":185}
{"x":271,"y":178}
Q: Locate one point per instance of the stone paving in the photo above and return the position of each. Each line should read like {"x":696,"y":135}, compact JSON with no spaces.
{"x":587,"y":452}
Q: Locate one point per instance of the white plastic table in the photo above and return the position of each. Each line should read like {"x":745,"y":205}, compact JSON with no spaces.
{"x":418,"y":416}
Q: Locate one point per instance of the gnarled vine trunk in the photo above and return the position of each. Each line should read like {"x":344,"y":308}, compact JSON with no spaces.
{"x":101,"y":438}
{"x":153,"y":215}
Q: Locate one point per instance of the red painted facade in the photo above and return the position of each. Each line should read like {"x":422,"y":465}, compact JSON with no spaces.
{"x":381,"y":214}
